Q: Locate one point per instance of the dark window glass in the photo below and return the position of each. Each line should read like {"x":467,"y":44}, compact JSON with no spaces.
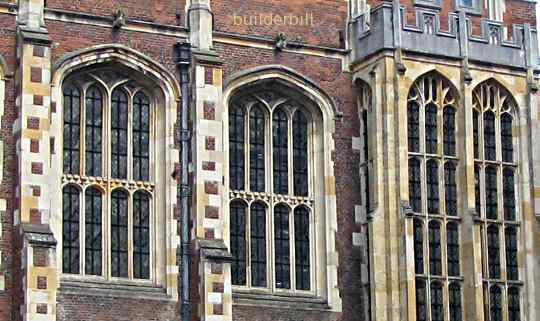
{"x":94,"y":132}
{"x":437,"y":310}
{"x":366,"y":159}
{"x":282,"y":247}
{"x":119,"y":233}
{"x":280,"y":156}
{"x":494,"y":260}
{"x":119,"y":133}
{"x":432,"y":178}
{"x":421,"y":308}
{"x":449,"y":128}
{"x":93,"y":239}
{"x":238,"y":242}
{"x":236,"y":148}
{"x":418,"y":247}
{"x":413,"y":124}
{"x":301,"y":245}
{"x":495,"y":303}
{"x":452,"y":244}
{"x":415,"y":191}
{"x":258,"y":244}
{"x":300,"y":153}
{"x":256,"y":153}
{"x":476,"y":134}
{"x":454,"y":301}
{"x":70,"y":230}
{"x":450,"y":188}
{"x":477,"y":200}
{"x":507,"y":144}
{"x":141,"y":137}
{"x":492,"y":204}
{"x":72,"y":130}
{"x":512,"y":272}
{"x":509,"y":195}
{"x":431,"y":129}
{"x":489,"y":136}
{"x":514,"y":309}
{"x":435,"y":257}
{"x":141,"y":235}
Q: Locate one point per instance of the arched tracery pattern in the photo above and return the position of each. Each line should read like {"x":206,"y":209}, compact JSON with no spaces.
{"x":496,"y":175}
{"x":433,"y":194}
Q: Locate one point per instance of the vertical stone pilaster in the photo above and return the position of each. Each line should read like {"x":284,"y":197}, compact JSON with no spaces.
{"x":31,"y":129}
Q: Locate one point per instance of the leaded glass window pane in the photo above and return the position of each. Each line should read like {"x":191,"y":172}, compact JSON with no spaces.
{"x":302,"y":248}
{"x":141,"y":137}
{"x":72,"y":130}
{"x":452,"y":244}
{"x":431,"y":129}
{"x":509,"y":195}
{"x":492,"y":203}
{"x":119,"y":233}
{"x":435,"y":257}
{"x":418,"y":247}
{"x":512,"y":271}
{"x":489,"y":136}
{"x":258,"y":244}
{"x":70,"y":230}
{"x":256,"y":152}
{"x":449,"y":128}
{"x":280,"y":146}
{"x":238,"y":242}
{"x":495,"y":303}
{"x":507,"y":143}
{"x":494,"y":259}
{"x":514,"y":306}
{"x":282,"y":249}
{"x":432,"y":178}
{"x":93,"y":231}
{"x":413,"y":121}
{"x":477,"y":200}
{"x":450,"y":189}
{"x":415,"y":185}
{"x":421,"y":298}
{"x":119,"y":134}
{"x":437,"y":307}
{"x":236,"y":148}
{"x":476,"y":134}
{"x":454,"y":301}
{"x":141,"y":235}
{"x":93,"y":132}
{"x":300,"y":151}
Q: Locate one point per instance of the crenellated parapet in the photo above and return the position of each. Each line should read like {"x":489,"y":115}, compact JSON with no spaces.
{"x":428,"y":35}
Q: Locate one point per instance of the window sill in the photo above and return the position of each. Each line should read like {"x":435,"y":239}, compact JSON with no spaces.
{"x":280,"y":300}
{"x":111,"y":288}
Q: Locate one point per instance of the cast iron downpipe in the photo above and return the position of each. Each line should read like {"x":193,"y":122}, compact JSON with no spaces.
{"x":183,"y":51}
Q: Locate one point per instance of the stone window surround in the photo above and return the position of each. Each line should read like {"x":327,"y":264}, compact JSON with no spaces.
{"x":167,"y":92}
{"x":325,"y":292}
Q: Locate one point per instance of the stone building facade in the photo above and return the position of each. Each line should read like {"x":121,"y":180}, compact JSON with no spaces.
{"x":346,"y":160}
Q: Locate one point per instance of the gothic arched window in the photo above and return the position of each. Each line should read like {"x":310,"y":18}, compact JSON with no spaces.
{"x":276,"y":254}
{"x":434,"y":161}
{"x":496,"y":173}
{"x":109,"y":184}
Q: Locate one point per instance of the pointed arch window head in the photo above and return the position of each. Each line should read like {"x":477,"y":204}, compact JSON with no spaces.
{"x":272,"y":157}
{"x":431,"y":129}
{"x":108,"y":198}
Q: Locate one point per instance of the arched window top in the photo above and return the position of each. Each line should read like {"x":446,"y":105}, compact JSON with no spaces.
{"x":491,"y":95}
{"x":94,"y":92}
{"x":94,"y":190}
{"x":71,"y":188}
{"x":119,"y":95}
{"x":142,"y":195}
{"x":364,"y":95}
{"x":433,"y":88}
{"x":141,"y":97}
{"x":120,"y":193}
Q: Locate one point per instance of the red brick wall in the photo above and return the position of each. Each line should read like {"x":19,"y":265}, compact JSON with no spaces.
{"x":9,"y":182}
{"x":329,"y":18}
{"x":160,"y":11}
